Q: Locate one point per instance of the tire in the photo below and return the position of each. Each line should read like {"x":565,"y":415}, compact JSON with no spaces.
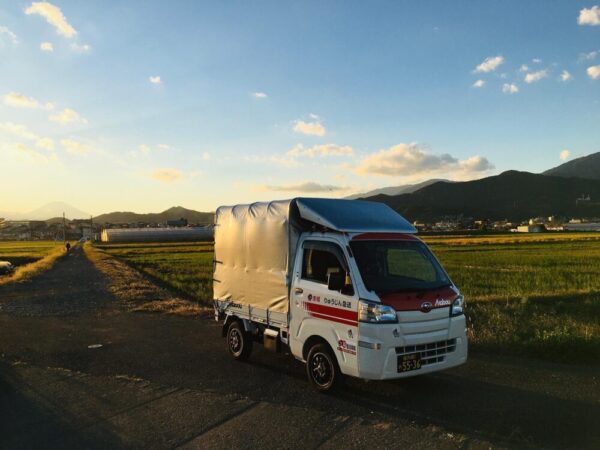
{"x":239,"y":342}
{"x":322,"y":368}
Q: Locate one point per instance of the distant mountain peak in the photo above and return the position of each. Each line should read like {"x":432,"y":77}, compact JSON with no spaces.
{"x":583,"y":167}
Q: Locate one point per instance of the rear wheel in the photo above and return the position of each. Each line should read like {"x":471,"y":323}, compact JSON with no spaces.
{"x":322,"y":368}
{"x":239,"y":341}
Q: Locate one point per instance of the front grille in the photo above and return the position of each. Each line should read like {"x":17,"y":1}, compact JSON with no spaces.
{"x":431,"y":353}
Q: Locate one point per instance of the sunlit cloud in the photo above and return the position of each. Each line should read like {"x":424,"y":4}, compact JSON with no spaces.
{"x":510,"y":88}
{"x":144,"y":148}
{"x":206,"y":156}
{"x":7,"y":35}
{"x":320,"y":150}
{"x":564,"y":155}
{"x":32,"y":155}
{"x":310,"y":128}
{"x":593,"y":72}
{"x":53,"y":16}
{"x":411,"y":160}
{"x":22,"y":132}
{"x":75,"y":147}
{"x":155,"y":79}
{"x":565,"y":76}
{"x":534,"y":77}
{"x":67,"y":116}
{"x":589,"y":16}
{"x":46,"y":47}
{"x":479,"y":84}
{"x":489,"y":64}
{"x":17,"y":100}
{"x":308,"y":187}
{"x":166,"y":175}
{"x":259,"y":95}
{"x":45,"y":143}
{"x":163,"y":147}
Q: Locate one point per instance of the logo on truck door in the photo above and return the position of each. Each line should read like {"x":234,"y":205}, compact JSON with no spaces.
{"x":346,"y":347}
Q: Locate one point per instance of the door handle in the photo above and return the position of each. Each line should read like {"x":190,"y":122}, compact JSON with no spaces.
{"x":298,"y":290}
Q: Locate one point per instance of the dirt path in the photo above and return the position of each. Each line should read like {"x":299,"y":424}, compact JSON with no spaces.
{"x":163,"y":381}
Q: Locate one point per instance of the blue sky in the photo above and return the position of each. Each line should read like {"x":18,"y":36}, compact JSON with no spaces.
{"x":115,"y":105}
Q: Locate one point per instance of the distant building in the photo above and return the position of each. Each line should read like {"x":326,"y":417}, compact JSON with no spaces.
{"x":582,"y":226}
{"x":177,"y":223}
{"x":538,"y":228}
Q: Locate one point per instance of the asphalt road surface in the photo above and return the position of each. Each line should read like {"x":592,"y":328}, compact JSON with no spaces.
{"x":162,"y":381}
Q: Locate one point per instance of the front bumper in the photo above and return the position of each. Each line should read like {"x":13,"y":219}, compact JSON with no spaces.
{"x":380,"y":345}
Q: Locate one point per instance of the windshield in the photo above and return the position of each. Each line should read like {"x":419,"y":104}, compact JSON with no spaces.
{"x":394,"y":266}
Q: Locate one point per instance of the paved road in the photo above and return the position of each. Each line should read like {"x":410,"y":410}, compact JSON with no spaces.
{"x":162,"y":381}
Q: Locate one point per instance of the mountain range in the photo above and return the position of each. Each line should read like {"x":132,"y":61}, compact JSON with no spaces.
{"x":511,"y":195}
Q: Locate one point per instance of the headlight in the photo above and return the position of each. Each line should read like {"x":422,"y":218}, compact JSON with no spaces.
{"x":457,"y":306}
{"x":376,"y":312}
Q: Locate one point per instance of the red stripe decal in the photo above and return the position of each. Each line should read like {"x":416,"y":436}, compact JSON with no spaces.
{"x":333,"y":319}
{"x":331,"y":311}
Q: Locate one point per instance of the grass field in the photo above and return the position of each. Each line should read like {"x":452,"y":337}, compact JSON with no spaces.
{"x":526,"y":294}
{"x":30,"y":257}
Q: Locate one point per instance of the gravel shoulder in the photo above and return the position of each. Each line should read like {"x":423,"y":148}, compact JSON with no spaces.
{"x":78,"y":369}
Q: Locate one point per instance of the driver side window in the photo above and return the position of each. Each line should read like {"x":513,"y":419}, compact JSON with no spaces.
{"x":320,"y":259}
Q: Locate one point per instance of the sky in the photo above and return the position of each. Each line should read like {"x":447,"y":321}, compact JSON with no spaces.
{"x":139,"y":106}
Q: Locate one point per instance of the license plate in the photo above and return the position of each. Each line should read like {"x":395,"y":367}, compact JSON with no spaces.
{"x":406,"y":363}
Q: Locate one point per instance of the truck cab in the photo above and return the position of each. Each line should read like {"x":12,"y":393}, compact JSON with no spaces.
{"x":364,"y":301}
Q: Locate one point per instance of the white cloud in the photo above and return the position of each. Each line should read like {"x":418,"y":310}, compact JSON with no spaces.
{"x":410,"y":160}
{"x":144,"y":148}
{"x":565,"y":76}
{"x":314,"y":116}
{"x":588,"y":56}
{"x":536,"y":61}
{"x":67,"y":115}
{"x":163,"y":147}
{"x":18,"y":130}
{"x":320,"y":150}
{"x":166,"y":175}
{"x":75,"y":147}
{"x":490,"y":64}
{"x":206,"y":156}
{"x":524,"y":68}
{"x":17,"y":100}
{"x":155,"y":79}
{"x":46,"y":47}
{"x":259,"y":95}
{"x":593,"y":72}
{"x":53,"y":16}
{"x":12,"y":37}
{"x":33,"y":155}
{"x":310,"y":128}
{"x":535,"y":76}
{"x":589,"y":16}
{"x":21,"y":131}
{"x":479,"y":84}
{"x":81,"y":48}
{"x":564,"y":155}
{"x":510,"y":88}
{"x":308,"y":187}
{"x":45,"y":143}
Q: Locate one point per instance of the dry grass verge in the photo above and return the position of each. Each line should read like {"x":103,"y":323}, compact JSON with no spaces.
{"x":136,"y":292}
{"x":28,"y":271}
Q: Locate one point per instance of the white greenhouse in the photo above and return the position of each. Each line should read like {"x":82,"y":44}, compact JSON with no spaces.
{"x":157,"y":234}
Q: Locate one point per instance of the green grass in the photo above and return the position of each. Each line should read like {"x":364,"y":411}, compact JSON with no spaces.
{"x":25,"y":252}
{"x":185,"y":267}
{"x":536,"y":295}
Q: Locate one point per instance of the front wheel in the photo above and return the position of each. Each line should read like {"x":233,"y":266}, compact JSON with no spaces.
{"x":239,"y":342}
{"x":322,"y":368}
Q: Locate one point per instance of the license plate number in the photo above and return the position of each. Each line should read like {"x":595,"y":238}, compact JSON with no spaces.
{"x":406,"y":363}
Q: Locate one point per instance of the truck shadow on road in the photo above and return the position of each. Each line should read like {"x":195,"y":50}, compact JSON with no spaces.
{"x":460,"y":402}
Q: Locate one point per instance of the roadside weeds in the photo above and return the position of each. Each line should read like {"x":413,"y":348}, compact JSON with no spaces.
{"x":29,"y":271}
{"x":137,"y":293}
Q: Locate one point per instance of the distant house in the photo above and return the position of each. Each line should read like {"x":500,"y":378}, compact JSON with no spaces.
{"x":537,"y":228}
{"x":177,"y":223}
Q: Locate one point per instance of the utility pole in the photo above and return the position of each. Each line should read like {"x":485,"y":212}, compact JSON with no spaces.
{"x":91,"y":228}
{"x":64,"y":230}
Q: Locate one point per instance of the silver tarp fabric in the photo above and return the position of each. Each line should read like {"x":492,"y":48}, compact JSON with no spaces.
{"x":254,"y":246}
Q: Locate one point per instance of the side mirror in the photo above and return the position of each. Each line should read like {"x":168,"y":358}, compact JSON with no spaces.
{"x":336,"y":281}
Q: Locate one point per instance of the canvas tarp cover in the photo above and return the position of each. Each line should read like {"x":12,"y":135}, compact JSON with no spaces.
{"x":254,"y":247}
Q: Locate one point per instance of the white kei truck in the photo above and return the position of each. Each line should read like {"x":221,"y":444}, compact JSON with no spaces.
{"x":345,"y":285}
